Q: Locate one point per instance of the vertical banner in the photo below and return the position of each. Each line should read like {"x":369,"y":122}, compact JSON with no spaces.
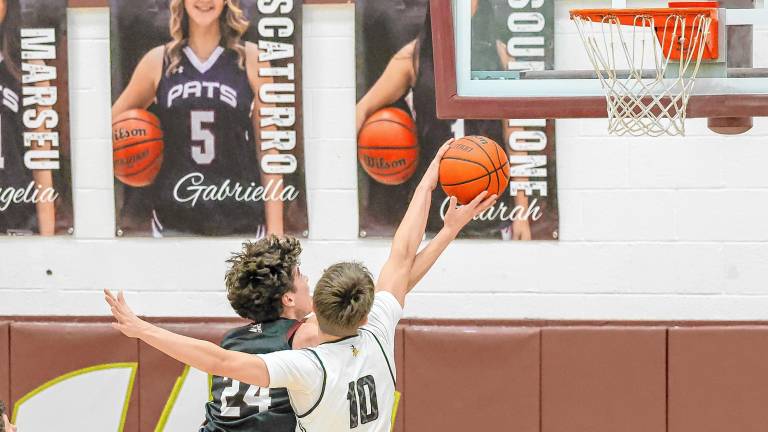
{"x":396,"y":100}
{"x":206,"y":118}
{"x":35,"y":177}
{"x":523,"y":35}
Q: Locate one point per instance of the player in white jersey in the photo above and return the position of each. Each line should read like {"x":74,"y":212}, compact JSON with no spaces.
{"x":357,"y":372}
{"x":347,"y":383}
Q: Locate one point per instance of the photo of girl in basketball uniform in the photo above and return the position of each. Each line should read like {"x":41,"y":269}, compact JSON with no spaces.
{"x":28,"y":198}
{"x":203,"y":85}
{"x":411,"y":69}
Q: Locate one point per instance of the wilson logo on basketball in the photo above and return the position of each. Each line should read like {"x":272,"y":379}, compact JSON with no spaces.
{"x":132,"y":159}
{"x":387,"y":147}
{"x":123,"y":133}
{"x":381,"y":163}
{"x":137,"y":147}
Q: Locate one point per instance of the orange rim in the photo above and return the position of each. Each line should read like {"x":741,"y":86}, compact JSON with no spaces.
{"x":660,"y":16}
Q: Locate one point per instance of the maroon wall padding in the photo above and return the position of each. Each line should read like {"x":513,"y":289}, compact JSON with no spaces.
{"x":158,"y":372}
{"x":465,"y":378}
{"x":603,"y":379}
{"x":718,"y":379}
{"x":5,"y":364}
{"x":399,"y":358}
{"x":43,"y":351}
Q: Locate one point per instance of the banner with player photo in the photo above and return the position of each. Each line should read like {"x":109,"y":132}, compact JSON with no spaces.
{"x":206,"y":118}
{"x":35,"y":176}
{"x":399,"y":132}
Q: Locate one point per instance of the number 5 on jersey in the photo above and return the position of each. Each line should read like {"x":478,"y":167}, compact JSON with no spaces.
{"x":203,"y":140}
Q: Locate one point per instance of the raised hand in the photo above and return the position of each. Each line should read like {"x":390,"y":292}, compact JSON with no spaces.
{"x":458,"y":216}
{"x":127,"y":321}
{"x":8,"y":427}
{"x":432,"y":175}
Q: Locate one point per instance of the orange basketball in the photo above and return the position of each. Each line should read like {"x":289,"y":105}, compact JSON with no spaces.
{"x":474,"y":164}
{"x":387,"y":147}
{"x":137,"y":147}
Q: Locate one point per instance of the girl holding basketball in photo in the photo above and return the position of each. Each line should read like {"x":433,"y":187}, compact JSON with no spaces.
{"x":18,"y":217}
{"x":412,"y":69}
{"x":202,"y":84}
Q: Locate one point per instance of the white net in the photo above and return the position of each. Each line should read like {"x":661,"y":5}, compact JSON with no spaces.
{"x":647,"y":92}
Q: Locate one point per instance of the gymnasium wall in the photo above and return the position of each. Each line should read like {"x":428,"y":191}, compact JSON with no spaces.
{"x":530,"y":376}
{"x":665,"y":228}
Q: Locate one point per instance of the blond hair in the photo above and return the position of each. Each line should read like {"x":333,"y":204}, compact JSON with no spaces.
{"x":343,"y":297}
{"x":232,"y":24}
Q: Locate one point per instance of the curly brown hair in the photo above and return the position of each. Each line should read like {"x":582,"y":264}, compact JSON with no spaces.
{"x":260,"y":274}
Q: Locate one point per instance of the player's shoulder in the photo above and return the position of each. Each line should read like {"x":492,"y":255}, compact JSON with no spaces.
{"x":151,"y":64}
{"x":234,"y":338}
{"x":251,"y":53}
{"x":252,"y":61}
{"x":307,"y":335}
{"x":260,"y":337}
{"x":406,"y":52}
{"x":155,"y":55}
{"x":306,"y":359}
{"x":387,"y":300}
{"x":385,"y":313}
{"x":251,"y":49}
{"x":236,"y":332}
{"x":336,"y":349}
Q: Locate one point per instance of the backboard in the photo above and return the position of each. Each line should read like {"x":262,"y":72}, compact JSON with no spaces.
{"x":541,"y":69}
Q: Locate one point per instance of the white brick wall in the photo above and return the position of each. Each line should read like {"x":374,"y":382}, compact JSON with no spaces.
{"x":650,"y":229}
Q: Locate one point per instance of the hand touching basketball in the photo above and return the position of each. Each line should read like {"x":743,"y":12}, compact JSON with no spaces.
{"x":474,"y":164}
{"x":458,"y":216}
{"x":432,"y":175}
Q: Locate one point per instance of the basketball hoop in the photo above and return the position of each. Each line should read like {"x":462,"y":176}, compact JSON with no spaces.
{"x":647,"y":61}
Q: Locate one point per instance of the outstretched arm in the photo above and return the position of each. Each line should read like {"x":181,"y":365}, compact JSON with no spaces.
{"x":199,"y":354}
{"x":455,"y":219}
{"x":397,"y":274}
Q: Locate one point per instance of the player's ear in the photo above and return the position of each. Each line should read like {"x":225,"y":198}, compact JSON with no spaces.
{"x":289,"y":299}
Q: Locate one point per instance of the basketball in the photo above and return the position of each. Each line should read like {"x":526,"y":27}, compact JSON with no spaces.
{"x":387,"y":147}
{"x":471,"y":165}
{"x":137,"y":147}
